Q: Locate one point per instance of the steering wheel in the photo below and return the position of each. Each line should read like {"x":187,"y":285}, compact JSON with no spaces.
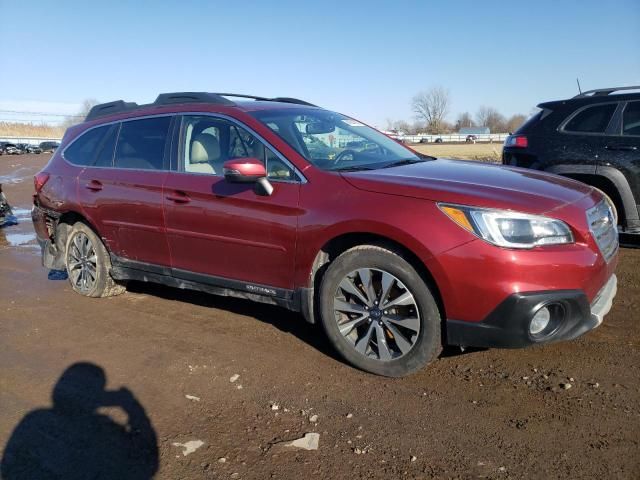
{"x":340,"y":157}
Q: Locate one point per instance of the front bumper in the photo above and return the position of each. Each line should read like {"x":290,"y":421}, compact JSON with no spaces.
{"x":508,"y":325}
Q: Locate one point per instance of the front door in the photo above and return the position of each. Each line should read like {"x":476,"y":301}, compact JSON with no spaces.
{"x":223,"y":233}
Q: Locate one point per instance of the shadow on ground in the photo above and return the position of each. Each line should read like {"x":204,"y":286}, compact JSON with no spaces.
{"x":281,"y":318}
{"x":72,"y":440}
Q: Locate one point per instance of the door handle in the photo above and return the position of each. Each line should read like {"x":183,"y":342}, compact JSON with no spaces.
{"x":626,"y":148}
{"x":178,"y":197}
{"x":94,"y":186}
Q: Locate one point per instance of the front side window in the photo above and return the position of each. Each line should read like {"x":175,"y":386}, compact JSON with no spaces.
{"x":83,"y":150}
{"x":593,"y":119}
{"x":208,"y":142}
{"x":332,"y":141}
{"x":631,"y":119}
{"x":141,"y":143}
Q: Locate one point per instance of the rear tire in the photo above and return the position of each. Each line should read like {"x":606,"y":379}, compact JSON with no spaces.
{"x":378,"y":312}
{"x":88,"y":264}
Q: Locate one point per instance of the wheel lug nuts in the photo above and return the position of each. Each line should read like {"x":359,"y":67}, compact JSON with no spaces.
{"x":385,"y":312}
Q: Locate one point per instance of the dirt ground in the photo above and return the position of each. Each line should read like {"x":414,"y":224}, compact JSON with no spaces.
{"x":488,"y":152}
{"x":228,"y":379}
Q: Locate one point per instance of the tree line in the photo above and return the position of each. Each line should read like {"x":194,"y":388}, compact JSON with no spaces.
{"x":432,"y":108}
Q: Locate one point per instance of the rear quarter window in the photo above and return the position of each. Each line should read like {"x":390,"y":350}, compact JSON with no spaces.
{"x":83,"y":150}
{"x":592,"y":119}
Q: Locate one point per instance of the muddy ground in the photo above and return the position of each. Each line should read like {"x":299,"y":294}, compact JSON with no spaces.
{"x":481,"y":414}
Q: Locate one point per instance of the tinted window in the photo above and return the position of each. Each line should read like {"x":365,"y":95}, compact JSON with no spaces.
{"x":592,"y":119}
{"x":104,"y":155}
{"x":83,"y":150}
{"x":631,"y":119}
{"x":141,"y":143}
{"x":209,"y":142}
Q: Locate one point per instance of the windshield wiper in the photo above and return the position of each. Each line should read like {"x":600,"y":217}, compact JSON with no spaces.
{"x":405,"y":161}
{"x":353,"y":168}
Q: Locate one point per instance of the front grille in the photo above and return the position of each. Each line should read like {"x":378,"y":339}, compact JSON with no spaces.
{"x":602,"y":225}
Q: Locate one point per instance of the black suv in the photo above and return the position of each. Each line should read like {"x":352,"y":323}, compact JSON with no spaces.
{"x":593,"y":137}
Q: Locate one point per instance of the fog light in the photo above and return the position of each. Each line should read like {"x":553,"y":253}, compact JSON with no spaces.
{"x":540,"y":321}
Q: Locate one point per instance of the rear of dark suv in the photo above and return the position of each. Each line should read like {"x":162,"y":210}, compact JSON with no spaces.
{"x":593,"y":137}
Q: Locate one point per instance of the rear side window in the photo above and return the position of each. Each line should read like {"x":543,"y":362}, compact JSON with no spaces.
{"x":594,"y":119}
{"x":83,"y":150}
{"x":631,"y":119}
{"x":141,"y":143}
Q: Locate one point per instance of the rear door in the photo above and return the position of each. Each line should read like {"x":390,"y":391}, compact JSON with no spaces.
{"x":122,"y":192}
{"x":622,"y":150}
{"x":223,"y":233}
{"x":584,"y":138}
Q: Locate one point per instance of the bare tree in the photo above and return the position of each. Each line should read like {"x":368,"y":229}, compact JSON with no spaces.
{"x":464,"y":120}
{"x":432,"y":106}
{"x":401,"y":126}
{"x":514,"y":122}
{"x":490,"y":117}
{"x":87,"y":104}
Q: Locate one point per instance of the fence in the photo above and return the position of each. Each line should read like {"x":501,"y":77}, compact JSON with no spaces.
{"x":455,"y":137}
{"x":30,"y":140}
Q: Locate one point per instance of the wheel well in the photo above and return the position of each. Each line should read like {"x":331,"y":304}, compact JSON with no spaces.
{"x":65,"y":222}
{"x":334,"y":247}
{"x":607,"y":186}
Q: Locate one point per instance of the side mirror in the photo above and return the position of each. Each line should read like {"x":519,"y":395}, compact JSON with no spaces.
{"x":248,"y":170}
{"x":244,"y":170}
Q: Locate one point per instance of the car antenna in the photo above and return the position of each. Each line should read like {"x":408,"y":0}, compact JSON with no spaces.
{"x":578,"y":82}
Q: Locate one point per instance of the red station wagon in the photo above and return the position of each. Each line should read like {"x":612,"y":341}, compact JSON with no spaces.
{"x":274,"y":200}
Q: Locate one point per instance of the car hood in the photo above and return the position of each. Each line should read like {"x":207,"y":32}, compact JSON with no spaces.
{"x":473,"y":183}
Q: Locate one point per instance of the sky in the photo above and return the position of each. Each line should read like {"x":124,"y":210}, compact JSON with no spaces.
{"x":366,"y":59}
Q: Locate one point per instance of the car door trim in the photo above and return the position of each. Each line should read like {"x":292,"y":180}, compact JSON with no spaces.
{"x":124,"y":269}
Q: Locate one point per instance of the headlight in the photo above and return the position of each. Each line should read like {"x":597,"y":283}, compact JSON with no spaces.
{"x":612,"y":205}
{"x":509,"y":229}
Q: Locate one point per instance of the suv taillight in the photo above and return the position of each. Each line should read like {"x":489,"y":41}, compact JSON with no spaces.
{"x":39,"y":180}
{"x":519,"y":141}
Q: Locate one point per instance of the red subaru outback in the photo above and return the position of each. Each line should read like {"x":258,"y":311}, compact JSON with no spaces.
{"x":279,"y":201}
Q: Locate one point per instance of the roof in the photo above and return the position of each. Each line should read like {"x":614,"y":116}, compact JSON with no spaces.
{"x":182,"y":98}
{"x":600,"y":92}
{"x":612,"y":94}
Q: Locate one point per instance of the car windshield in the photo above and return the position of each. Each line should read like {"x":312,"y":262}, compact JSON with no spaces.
{"x":332,"y":141}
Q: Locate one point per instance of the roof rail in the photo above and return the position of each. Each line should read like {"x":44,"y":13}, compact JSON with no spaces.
{"x":120,"y":106}
{"x":604,"y":91}
{"x":191,"y":97}
{"x":291,"y":100}
{"x":240,"y":95}
{"x":265,"y":99}
{"x":103,"y":109}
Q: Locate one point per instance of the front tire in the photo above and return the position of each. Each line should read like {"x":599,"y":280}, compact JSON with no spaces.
{"x":88,"y":264}
{"x":378,"y":312}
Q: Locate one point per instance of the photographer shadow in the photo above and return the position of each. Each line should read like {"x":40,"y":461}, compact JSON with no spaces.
{"x":72,"y":440}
